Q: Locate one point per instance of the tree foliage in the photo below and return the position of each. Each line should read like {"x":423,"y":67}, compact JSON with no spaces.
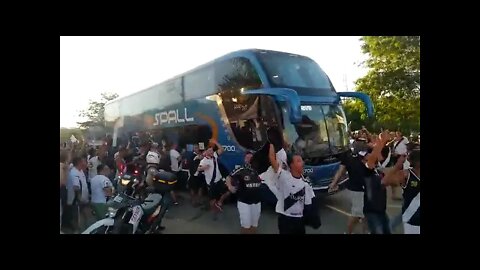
{"x":392,"y":82}
{"x":95,"y":111}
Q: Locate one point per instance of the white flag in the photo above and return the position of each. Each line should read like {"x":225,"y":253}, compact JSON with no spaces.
{"x":73,"y":139}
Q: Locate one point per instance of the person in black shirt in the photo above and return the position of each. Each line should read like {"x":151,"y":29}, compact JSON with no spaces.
{"x":196,"y":183}
{"x":375,"y":195}
{"x":246,"y":183}
{"x":352,"y":163}
{"x":409,"y":179}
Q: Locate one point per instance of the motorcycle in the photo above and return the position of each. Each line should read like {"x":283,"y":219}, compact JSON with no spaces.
{"x":126,"y":215}
{"x":163,"y":183}
{"x":128,"y":182}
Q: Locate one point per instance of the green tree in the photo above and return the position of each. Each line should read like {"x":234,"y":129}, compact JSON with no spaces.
{"x":95,"y":111}
{"x":392,"y":82}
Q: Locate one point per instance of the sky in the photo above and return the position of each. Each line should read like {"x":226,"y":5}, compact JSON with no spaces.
{"x":124,"y":65}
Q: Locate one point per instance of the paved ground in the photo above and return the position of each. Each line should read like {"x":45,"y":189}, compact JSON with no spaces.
{"x":334,"y":211}
{"x":184,"y":219}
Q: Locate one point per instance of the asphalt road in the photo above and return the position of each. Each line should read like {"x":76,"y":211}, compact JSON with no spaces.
{"x":334,"y":211}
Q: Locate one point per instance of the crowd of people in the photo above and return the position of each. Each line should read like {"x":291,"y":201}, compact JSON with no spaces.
{"x":88,"y":179}
{"x":375,"y":163}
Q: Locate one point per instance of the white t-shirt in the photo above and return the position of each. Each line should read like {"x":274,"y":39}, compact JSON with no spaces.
{"x":92,"y":167}
{"x":294,"y":194}
{"x":174,"y":155}
{"x":97,"y":184}
{"x":406,"y":165}
{"x":401,"y":149}
{"x":76,"y":178}
{"x":209,"y":172}
{"x":269,"y":177}
{"x":281,"y":157}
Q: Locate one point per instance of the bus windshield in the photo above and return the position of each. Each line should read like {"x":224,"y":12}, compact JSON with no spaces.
{"x":294,"y":71}
{"x":322,"y":132}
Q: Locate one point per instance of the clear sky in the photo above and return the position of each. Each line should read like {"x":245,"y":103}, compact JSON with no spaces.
{"x":124,"y":65}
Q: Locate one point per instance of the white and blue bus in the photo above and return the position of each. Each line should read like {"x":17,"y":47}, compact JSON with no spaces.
{"x":235,"y":99}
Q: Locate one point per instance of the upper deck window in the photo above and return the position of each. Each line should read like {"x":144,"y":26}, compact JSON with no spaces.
{"x":294,"y":71}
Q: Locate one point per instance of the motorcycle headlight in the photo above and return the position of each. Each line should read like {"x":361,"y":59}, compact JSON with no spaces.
{"x":112,"y":212}
{"x":125,"y":182}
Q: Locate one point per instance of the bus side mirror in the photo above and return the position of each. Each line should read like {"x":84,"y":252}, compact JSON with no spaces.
{"x":282,"y":94}
{"x":363,"y":97}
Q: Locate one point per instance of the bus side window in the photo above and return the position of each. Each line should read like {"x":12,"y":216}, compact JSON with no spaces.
{"x":249,"y":115}
{"x":269,"y":112}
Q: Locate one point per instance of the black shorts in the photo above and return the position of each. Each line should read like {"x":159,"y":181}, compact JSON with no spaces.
{"x":290,"y":225}
{"x":216,"y":190}
{"x":197,"y":182}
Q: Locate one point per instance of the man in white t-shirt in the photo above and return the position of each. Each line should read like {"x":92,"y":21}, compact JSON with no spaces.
{"x":93,"y":163}
{"x":77,"y":193}
{"x":217,"y":188}
{"x":400,"y":144}
{"x":294,"y":194}
{"x":269,"y":176}
{"x":399,"y":149}
{"x":101,"y":189}
{"x":175,"y":160}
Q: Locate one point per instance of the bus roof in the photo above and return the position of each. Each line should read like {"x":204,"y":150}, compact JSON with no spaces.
{"x":241,"y":53}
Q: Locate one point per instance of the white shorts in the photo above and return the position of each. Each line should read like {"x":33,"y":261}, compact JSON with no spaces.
{"x":410,"y":229}
{"x":356,"y":197}
{"x":249,"y":214}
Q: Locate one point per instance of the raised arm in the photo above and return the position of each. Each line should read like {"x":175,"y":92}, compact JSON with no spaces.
{"x":220,"y":148}
{"x":377,"y":150}
{"x":272,"y":158}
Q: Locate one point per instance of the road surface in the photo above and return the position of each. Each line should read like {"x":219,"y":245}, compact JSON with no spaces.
{"x":334,"y":211}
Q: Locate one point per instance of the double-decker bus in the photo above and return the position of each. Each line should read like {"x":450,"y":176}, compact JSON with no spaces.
{"x":235,"y":99}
